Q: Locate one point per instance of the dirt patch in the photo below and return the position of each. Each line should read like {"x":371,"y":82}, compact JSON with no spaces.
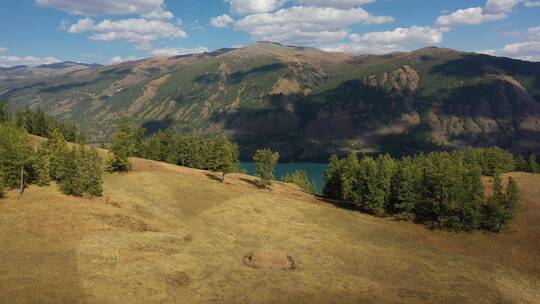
{"x":179,"y":279}
{"x":270,"y":259}
{"x":125,"y":222}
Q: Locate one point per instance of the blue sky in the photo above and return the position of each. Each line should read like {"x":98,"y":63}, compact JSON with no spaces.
{"x":111,"y":31}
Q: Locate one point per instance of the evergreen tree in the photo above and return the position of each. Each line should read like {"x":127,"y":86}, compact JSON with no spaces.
{"x":16,"y":155}
{"x":4,"y":112}
{"x":265,"y":162}
{"x":386,"y":167}
{"x":532,"y":165}
{"x":71,"y":182}
{"x":349,"y":171}
{"x":494,"y":209}
{"x":332,"y":179}
{"x":90,"y":171}
{"x":301,"y":179}
{"x":42,"y":166}
{"x":58,"y":152}
{"x":367,"y":193}
{"x":123,"y":146}
{"x":224,"y":157}
{"x":511,"y":201}
{"x":521,"y":164}
{"x":406,"y":189}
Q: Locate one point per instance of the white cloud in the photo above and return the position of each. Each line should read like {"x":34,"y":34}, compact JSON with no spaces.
{"x":306,"y":25}
{"x":151,"y":8}
{"x":341,"y":4}
{"x":532,"y":4}
{"x":389,"y":41}
{"x":170,"y":51}
{"x":3,"y":49}
{"x":492,"y":10}
{"x":221,"y":21}
{"x":8,"y":61}
{"x":140,"y":32}
{"x":529,"y":49}
{"x":244,"y":7}
{"x":118,"y":59}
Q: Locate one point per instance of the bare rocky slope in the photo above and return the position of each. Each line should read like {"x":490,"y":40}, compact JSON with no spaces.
{"x":304,"y":102}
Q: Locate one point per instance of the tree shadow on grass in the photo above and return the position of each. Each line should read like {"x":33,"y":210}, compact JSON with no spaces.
{"x":252,"y":182}
{"x":214,"y":177}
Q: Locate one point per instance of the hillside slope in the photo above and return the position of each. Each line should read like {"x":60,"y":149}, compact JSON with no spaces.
{"x":304,"y":102}
{"x":170,"y":234}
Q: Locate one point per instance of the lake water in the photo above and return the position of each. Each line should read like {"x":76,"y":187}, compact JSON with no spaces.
{"x":315,"y":171}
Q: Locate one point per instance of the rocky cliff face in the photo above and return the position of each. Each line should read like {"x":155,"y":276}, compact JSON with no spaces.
{"x":307,"y":103}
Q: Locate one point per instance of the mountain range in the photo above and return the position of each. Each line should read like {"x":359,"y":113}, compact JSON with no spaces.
{"x":303,"y":102}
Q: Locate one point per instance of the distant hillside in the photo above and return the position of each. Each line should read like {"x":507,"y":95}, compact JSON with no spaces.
{"x":45,"y":70}
{"x":304,"y":102}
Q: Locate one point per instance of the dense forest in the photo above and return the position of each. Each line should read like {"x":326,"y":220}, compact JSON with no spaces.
{"x":444,"y":190}
{"x":76,"y":169}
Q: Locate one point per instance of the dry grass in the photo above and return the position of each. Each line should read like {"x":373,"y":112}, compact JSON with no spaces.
{"x":166,"y":234}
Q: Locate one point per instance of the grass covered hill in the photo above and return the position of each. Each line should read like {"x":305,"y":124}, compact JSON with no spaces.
{"x":303,"y":102}
{"x":170,"y":234}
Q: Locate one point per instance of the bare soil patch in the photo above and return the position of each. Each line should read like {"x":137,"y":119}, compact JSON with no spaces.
{"x":270,"y":259}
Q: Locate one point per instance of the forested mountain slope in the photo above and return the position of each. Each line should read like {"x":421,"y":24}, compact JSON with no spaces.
{"x":304,"y":102}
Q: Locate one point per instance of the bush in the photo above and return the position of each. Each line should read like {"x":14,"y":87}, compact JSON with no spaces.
{"x":265,"y":162}
{"x":301,"y":179}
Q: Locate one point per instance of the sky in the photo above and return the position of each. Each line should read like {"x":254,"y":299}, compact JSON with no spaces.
{"x":38,"y":32}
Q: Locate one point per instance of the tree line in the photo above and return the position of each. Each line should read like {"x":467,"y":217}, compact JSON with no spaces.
{"x":217,"y":154}
{"x":443,"y":190}
{"x":36,"y":122}
{"x":77,"y":170}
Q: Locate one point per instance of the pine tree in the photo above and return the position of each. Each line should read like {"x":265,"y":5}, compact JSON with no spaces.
{"x":90,"y":171}
{"x":224,"y":157}
{"x":4,"y":112}
{"x":521,"y":164}
{"x":58,"y":151}
{"x":532,"y":165}
{"x":301,"y":179}
{"x":42,"y":166}
{"x":123,"y":146}
{"x":406,"y":189}
{"x":265,"y":162}
{"x":494,"y":209}
{"x":367,"y":192}
{"x":332,"y":178}
{"x":16,"y":154}
{"x":71,"y":182}
{"x":511,"y":201}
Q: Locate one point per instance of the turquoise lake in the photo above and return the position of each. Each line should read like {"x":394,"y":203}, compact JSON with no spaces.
{"x":315,"y":171}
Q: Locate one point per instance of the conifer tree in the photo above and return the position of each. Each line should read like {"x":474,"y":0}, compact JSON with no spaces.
{"x":301,"y":179}
{"x":58,"y":152}
{"x":332,"y":179}
{"x":406,"y":189}
{"x":16,"y":155}
{"x":521,"y":164}
{"x":71,"y":182}
{"x":532,"y":165}
{"x":225,"y":157}
{"x":90,"y":171}
{"x":123,"y":146}
{"x":4,"y":112}
{"x":42,"y":166}
{"x":265,"y":162}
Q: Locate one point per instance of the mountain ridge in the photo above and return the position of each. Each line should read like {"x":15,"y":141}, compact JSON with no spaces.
{"x":304,"y":102}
